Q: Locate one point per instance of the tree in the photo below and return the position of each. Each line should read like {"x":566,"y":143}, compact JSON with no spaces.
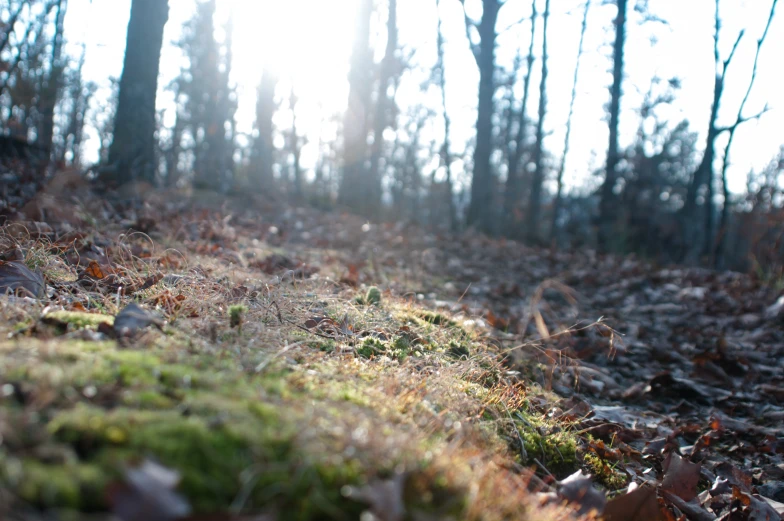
{"x":480,"y":211}
{"x":209,"y":98}
{"x":354,"y":184}
{"x":383,"y":105}
{"x":607,"y":195}
{"x":535,"y":201}
{"x":561,"y":168}
{"x":739,"y":118}
{"x":446,"y":154}
{"x":514,"y":179}
{"x":132,"y":153}
{"x":263,"y":149}
{"x":51,"y":88}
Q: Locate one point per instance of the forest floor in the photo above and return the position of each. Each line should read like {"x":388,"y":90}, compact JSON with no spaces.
{"x":208,"y":358}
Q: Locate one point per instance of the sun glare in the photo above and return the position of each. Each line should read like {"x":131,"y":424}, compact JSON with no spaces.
{"x":307,"y":43}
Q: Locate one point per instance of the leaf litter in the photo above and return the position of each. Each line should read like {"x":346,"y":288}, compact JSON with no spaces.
{"x":670,"y":379}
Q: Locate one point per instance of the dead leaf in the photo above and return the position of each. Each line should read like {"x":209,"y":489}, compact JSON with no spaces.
{"x":693,"y":510}
{"x":148,"y":494}
{"x":680,"y":476}
{"x":384,"y":497}
{"x":17,"y":278}
{"x":133,"y":318}
{"x":579,"y":489}
{"x":638,"y":505}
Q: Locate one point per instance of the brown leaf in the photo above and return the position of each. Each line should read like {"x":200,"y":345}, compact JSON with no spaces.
{"x":133,"y":318}
{"x":579,"y":489}
{"x":693,"y":510}
{"x":17,"y":278}
{"x":638,"y":505}
{"x":148,"y":495}
{"x":680,"y":476}
{"x":385,"y":498}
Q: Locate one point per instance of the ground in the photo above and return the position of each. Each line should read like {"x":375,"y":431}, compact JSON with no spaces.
{"x":193,"y":356}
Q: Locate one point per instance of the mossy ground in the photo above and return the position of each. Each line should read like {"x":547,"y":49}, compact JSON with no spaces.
{"x":258,"y":413}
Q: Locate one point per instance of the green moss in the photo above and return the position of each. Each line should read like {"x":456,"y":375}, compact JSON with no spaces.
{"x":436,"y":319}
{"x":458,"y":350}
{"x":373,"y":296}
{"x":371,"y":347}
{"x":77,"y":319}
{"x":72,"y":485}
{"x":553,"y":446}
{"x":604,"y":473}
{"x":236,"y":312}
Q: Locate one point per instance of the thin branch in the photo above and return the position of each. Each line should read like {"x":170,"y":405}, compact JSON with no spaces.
{"x":732,"y":52}
{"x":468,"y":24}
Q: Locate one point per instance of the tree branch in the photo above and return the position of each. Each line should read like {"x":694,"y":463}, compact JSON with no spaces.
{"x":468,"y":24}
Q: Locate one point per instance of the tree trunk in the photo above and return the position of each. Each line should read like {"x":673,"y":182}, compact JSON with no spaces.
{"x":354,"y":184}
{"x":382,"y":108}
{"x":446,"y":155}
{"x":51,"y":89}
{"x":607,"y":207}
{"x":534,"y":205}
{"x":514,"y":181}
{"x":562,"y":167}
{"x":132,"y":152}
{"x":480,"y":212}
{"x":262,"y":155}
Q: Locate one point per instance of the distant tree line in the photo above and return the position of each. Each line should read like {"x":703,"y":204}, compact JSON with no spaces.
{"x":665,"y":196}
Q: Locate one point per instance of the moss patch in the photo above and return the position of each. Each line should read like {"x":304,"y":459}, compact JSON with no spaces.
{"x":77,"y":319}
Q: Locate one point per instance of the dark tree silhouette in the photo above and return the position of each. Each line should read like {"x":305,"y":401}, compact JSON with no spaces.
{"x":514,"y":181}
{"x":535,"y":201}
{"x":480,"y":211}
{"x":354,"y":184}
{"x":559,"y":179}
{"x":606,"y":202}
{"x":262,"y":153}
{"x":132,"y":153}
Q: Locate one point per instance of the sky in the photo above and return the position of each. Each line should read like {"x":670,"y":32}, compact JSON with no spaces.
{"x":308,"y":43}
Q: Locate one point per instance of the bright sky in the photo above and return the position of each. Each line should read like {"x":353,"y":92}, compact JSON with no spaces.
{"x":308,"y":42}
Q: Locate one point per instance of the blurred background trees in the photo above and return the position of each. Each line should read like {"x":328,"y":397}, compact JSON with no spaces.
{"x":399,"y":147}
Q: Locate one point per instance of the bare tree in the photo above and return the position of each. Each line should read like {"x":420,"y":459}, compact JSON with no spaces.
{"x":561,"y":168}
{"x":51,"y":88}
{"x":535,"y":202}
{"x":262,"y":151}
{"x":720,"y":239}
{"x":480,"y":211}
{"x":132,"y":153}
{"x":354,"y":183}
{"x":389,"y":64}
{"x":514,"y":181}
{"x":607,"y":195}
{"x":446,"y":154}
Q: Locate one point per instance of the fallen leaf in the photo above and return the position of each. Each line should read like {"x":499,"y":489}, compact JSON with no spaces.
{"x":680,"y":476}
{"x":17,"y":278}
{"x":579,"y":489}
{"x":638,"y":505}
{"x":147,"y":494}
{"x":133,"y":318}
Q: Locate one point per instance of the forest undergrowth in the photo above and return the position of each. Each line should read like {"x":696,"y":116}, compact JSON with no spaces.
{"x":205,"y":358}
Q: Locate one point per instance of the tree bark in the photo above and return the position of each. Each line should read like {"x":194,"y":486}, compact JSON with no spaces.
{"x":132,"y":152}
{"x":607,"y":207}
